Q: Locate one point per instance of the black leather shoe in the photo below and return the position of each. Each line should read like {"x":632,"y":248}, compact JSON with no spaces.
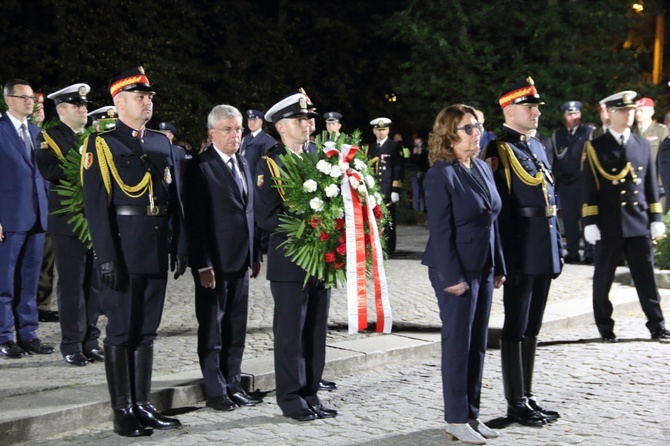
{"x":609,"y":337}
{"x":302,"y":415}
{"x":523,"y":414}
{"x":322,"y":411}
{"x":327,"y":385}
{"x":95,"y":354}
{"x":148,"y":416}
{"x":244,"y":399}
{"x":48,"y":316}
{"x":11,"y":350}
{"x":662,"y":335}
{"x":127,"y":425}
{"x":35,"y":346}
{"x":222,"y":403}
{"x":588,"y":260}
{"x":77,"y":359}
{"x":550,"y":415}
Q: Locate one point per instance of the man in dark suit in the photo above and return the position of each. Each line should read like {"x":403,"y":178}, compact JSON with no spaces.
{"x":78,"y":300}
{"x":622,"y":213}
{"x":257,"y":142}
{"x":568,"y":146}
{"x":219,"y":196}
{"x":531,"y":241}
{"x":23,"y":220}
{"x":386,"y":158}
{"x":300,"y":323}
{"x":132,"y":192}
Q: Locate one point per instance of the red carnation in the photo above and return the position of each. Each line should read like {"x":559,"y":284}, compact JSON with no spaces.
{"x":343,"y":238}
{"x":339,"y":224}
{"x":378,"y":212}
{"x":342,"y":249}
{"x":329,"y":257}
{"x":315,"y":221}
{"x":338,"y":265}
{"x":324,"y":236}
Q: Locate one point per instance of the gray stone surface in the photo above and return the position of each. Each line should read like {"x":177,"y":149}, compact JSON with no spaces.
{"x":389,"y":384}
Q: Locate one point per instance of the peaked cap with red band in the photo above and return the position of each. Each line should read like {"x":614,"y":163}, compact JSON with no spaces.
{"x":131,"y":80}
{"x":521,"y":93}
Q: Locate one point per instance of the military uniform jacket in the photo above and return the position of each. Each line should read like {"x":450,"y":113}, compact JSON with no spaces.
{"x":253,"y":147}
{"x":568,"y":149}
{"x":388,"y":164}
{"x":48,"y":158}
{"x":141,"y":242}
{"x":621,"y":192}
{"x":268,"y":206}
{"x":528,"y":224}
{"x":654,"y":134}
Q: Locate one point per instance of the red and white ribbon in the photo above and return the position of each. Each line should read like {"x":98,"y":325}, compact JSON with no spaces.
{"x":352,"y":187}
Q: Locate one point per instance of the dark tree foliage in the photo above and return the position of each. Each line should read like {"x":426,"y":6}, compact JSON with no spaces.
{"x":350,"y":56}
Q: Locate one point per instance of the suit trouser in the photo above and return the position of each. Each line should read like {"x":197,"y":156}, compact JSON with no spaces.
{"x":20,"y":261}
{"x":222,"y":328}
{"x":46,"y":283}
{"x":78,"y":299}
{"x":134,"y":313}
{"x":524,"y":304}
{"x":571,"y":208}
{"x":640,"y":256}
{"x":300,"y":327}
{"x":465,"y":321}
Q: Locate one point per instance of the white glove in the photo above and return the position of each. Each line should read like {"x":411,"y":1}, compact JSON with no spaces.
{"x":592,"y":234}
{"x":657,"y":229}
{"x":395,"y":197}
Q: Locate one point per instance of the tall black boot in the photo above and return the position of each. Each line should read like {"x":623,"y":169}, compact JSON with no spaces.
{"x":512,"y":372}
{"x":144,"y":410}
{"x":118,"y":381}
{"x":528,"y":348}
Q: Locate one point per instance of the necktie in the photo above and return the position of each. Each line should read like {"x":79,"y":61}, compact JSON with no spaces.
{"x":623,"y":143}
{"x":26,"y":140}
{"x":238,"y":180}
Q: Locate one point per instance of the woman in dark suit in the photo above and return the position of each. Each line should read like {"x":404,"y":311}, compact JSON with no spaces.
{"x":465,"y":262}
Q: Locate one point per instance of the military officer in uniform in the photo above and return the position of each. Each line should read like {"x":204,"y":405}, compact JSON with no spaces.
{"x":531,"y":244}
{"x":653,"y":132}
{"x":256,"y":142}
{"x":300,"y":323}
{"x":104,"y":118}
{"x":168,"y":130}
{"x":621,"y":213}
{"x":333,"y":124}
{"x":568,"y":145}
{"x":386,"y":157}
{"x":132,"y":181}
{"x":78,"y":300}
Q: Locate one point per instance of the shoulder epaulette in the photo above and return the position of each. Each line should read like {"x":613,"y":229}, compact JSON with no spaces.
{"x":276,"y":174}
{"x":50,"y":141}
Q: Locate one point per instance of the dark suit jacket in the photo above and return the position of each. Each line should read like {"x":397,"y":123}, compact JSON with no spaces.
{"x":50,"y":167}
{"x":462,"y":218}
{"x":219,"y":220}
{"x":388,"y":164}
{"x":621,"y":208}
{"x":253,"y":148}
{"x":23,"y":190}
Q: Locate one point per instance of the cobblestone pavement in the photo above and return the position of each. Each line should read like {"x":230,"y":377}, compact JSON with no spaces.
{"x":608,"y":394}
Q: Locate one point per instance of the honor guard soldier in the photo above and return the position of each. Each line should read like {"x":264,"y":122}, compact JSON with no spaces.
{"x":622,"y":213}
{"x":104,"y":118}
{"x":333,"y":125}
{"x":531,"y":244}
{"x":257,"y":142}
{"x":654,"y":133}
{"x":568,"y":145}
{"x":168,"y":130}
{"x":78,"y":300}
{"x":386,"y":157}
{"x":132,"y":183}
{"x":300,"y":323}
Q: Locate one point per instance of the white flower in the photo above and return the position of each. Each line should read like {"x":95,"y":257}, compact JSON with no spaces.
{"x":378,"y":198}
{"x":361,"y":190}
{"x":336,"y":172}
{"x":338,"y":212}
{"x":309,"y":186}
{"x":328,"y":145}
{"x":316,"y":204}
{"x":371,"y":201}
{"x":369,"y":181}
{"x":354,"y":182}
{"x":331,"y":191}
{"x":360,"y":165}
{"x":324,"y":167}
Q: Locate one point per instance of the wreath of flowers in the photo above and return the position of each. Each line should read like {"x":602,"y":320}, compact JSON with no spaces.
{"x":315,"y":229}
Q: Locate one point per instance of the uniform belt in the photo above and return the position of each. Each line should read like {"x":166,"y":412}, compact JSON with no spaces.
{"x":547,"y":211}
{"x":157,"y":211}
